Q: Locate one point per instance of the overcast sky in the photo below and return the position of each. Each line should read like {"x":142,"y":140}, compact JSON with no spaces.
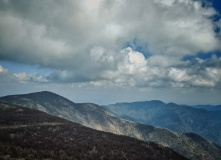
{"x":107,"y":51}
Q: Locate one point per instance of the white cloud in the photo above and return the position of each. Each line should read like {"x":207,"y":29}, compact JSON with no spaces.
{"x":99,"y":54}
{"x":164,"y":61}
{"x":136,"y":58}
{"x":3,"y":70}
{"x":24,"y":78}
{"x":179,"y":75}
{"x":6,"y":77}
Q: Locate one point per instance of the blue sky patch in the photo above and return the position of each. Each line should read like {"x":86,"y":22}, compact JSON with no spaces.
{"x":19,"y":68}
{"x":138,"y":46}
{"x":203,"y":56}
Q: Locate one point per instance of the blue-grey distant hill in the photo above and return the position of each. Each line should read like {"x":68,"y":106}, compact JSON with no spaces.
{"x":208,"y":107}
{"x":179,"y":118}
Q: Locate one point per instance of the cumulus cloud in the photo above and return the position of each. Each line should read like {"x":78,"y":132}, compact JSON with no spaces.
{"x":23,"y":78}
{"x":5,"y":77}
{"x":2,"y":70}
{"x":84,"y":42}
{"x":8,"y":77}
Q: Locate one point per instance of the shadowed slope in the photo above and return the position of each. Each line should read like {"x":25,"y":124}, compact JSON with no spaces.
{"x":33,"y":134}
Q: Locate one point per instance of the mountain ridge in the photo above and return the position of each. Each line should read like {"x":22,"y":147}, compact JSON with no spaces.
{"x":96,"y":117}
{"x":32,"y":134}
{"x":175,"y":117}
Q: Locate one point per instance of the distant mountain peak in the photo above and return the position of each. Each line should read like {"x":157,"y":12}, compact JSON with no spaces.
{"x":44,"y":93}
{"x":48,"y":92}
{"x":172,"y":103}
{"x":158,"y":102}
{"x":33,"y":94}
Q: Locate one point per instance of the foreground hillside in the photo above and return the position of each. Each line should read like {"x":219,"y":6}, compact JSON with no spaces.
{"x":30,"y":134}
{"x":172,"y":116}
{"x":189,"y":145}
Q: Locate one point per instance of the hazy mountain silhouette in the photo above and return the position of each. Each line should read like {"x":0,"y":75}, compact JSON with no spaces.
{"x":208,"y":107}
{"x":175,"y":117}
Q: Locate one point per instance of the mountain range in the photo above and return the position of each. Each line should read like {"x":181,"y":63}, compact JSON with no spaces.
{"x":175,"y":117}
{"x":94,"y":116}
{"x":30,"y":134}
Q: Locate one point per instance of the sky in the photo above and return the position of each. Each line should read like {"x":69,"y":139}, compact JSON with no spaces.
{"x":108,"y":51}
